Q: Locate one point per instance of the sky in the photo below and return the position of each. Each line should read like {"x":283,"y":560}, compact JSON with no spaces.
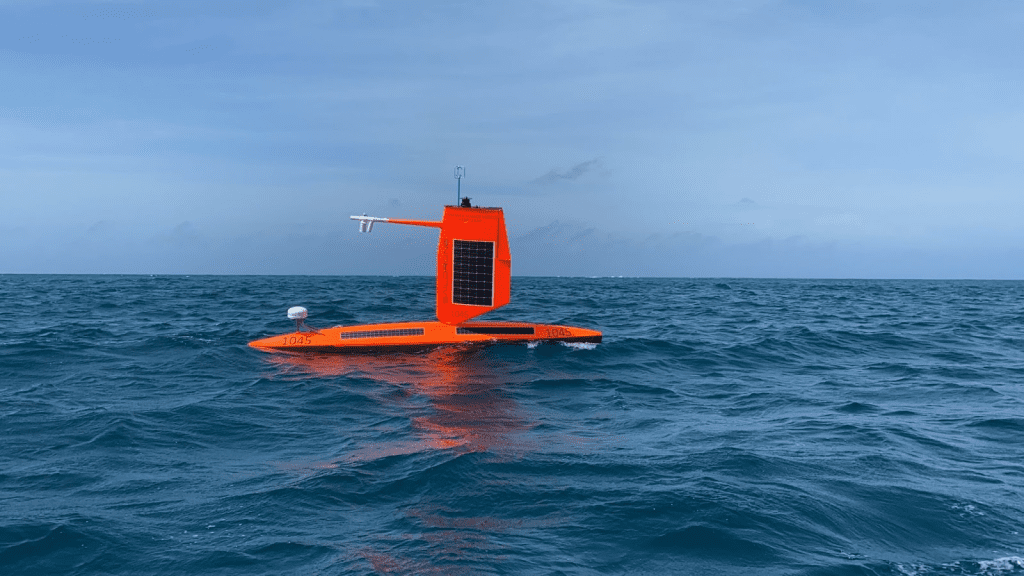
{"x":741,"y":138}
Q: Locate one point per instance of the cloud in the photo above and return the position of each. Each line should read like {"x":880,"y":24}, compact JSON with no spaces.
{"x":576,"y":249}
{"x":263,"y":125}
{"x":570,"y":174}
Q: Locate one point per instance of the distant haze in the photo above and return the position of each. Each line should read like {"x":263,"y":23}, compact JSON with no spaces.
{"x":745,"y":138}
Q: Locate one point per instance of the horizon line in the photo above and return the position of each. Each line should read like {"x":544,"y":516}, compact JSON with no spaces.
{"x":587,"y":277}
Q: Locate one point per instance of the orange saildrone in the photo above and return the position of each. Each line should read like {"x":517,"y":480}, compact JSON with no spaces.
{"x":473,"y":278}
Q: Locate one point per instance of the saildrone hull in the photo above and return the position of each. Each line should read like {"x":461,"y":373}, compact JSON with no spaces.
{"x":409,"y":336}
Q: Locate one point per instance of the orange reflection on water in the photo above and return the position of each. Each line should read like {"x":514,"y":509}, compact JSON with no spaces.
{"x":469,"y":411}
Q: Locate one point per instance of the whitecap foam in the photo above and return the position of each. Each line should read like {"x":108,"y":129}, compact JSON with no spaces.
{"x":579,"y":345}
{"x":1001,"y":565}
{"x":911,"y":570}
{"x":965,"y":510}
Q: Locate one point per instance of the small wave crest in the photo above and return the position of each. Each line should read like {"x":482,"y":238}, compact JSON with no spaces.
{"x":999,"y":567}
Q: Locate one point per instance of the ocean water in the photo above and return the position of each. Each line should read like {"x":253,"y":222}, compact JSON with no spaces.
{"x":846,"y":427}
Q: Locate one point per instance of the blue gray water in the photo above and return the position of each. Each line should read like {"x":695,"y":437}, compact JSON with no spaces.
{"x":723,"y":427}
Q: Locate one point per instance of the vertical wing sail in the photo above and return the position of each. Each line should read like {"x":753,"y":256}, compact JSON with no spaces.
{"x":473,"y":263}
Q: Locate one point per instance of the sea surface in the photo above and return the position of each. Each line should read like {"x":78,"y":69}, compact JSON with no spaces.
{"x":725,"y":426}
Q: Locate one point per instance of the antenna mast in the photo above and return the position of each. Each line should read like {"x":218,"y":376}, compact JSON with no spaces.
{"x":459,"y":173}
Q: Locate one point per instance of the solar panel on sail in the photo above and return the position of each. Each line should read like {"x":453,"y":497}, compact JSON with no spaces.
{"x":473,"y":273}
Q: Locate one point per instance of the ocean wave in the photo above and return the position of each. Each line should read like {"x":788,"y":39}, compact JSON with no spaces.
{"x":723,"y":426}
